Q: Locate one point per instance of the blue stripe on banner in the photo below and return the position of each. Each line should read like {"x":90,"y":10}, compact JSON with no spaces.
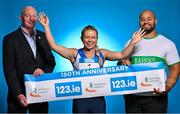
{"x":46,"y":76}
{"x":96,"y":71}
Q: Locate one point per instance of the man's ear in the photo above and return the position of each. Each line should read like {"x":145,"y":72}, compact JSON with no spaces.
{"x":20,"y":17}
{"x":156,"y":21}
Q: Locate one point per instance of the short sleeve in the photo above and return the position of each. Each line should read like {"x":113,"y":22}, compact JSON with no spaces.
{"x":172,"y":56}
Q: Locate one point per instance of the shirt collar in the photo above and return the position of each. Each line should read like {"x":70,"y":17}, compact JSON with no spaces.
{"x":23,"y":30}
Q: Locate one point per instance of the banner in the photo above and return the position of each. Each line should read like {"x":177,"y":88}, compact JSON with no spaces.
{"x":106,"y":81}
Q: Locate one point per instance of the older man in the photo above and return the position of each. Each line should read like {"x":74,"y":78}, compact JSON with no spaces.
{"x":25,"y":51}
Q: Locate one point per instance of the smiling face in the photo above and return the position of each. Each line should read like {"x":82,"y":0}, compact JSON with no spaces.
{"x":28,"y":18}
{"x":147,"y":21}
{"x":89,"y":39}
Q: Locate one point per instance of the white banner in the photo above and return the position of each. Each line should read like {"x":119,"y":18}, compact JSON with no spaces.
{"x":114,"y":80}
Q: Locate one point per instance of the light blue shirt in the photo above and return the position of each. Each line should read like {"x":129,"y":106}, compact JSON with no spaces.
{"x":31,"y":40}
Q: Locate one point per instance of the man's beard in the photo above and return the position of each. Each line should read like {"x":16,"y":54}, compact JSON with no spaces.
{"x":149,"y":30}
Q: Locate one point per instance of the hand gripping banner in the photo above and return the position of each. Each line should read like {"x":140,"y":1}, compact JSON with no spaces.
{"x":106,"y":81}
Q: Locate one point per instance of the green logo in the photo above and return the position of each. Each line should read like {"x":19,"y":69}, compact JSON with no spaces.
{"x":146,"y":79}
{"x":91,"y":85}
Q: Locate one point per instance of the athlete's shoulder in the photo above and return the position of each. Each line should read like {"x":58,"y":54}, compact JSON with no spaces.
{"x":165,"y":40}
{"x":103,"y":51}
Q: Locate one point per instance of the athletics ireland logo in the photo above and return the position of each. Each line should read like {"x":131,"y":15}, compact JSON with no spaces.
{"x":90,"y":88}
{"x":34,"y":93}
